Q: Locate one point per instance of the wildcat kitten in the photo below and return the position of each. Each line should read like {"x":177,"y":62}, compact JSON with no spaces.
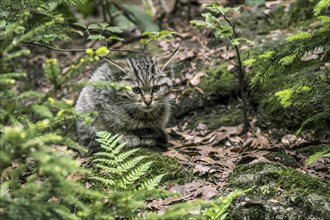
{"x":139,"y":114}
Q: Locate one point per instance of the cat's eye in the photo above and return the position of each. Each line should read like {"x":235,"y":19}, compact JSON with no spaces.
{"x":136,"y":90}
{"x":155,"y":88}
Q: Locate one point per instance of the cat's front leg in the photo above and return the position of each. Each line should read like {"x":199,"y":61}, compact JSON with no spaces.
{"x":148,"y":142}
{"x":130,"y":140}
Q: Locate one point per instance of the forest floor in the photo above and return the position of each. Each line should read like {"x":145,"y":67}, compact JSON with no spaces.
{"x":210,"y":148}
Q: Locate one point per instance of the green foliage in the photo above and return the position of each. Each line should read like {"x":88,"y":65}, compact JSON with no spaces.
{"x":218,"y":208}
{"x":31,"y":20}
{"x":312,"y":94}
{"x":321,"y":5}
{"x":35,"y":164}
{"x":297,"y":46}
{"x":152,"y":36}
{"x":223,"y":27}
{"x":119,"y":168}
{"x":285,"y":96}
{"x":314,"y":157}
{"x":213,"y":209}
{"x":101,"y":31}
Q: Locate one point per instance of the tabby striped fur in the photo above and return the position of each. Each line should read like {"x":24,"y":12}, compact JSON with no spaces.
{"x":139,"y":114}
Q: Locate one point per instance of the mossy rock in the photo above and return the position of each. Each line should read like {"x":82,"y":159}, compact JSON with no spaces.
{"x":283,"y":158}
{"x":173,"y":170}
{"x":257,"y":22}
{"x":219,"y":80}
{"x":219,"y":117}
{"x":280,"y":192}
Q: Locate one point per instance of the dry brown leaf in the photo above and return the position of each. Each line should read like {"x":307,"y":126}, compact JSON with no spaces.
{"x":174,"y":153}
{"x":196,"y":78}
{"x":201,"y":169}
{"x":289,"y":139}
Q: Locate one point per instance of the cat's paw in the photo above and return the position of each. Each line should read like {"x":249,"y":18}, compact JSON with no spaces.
{"x":131,"y":141}
{"x":148,"y":142}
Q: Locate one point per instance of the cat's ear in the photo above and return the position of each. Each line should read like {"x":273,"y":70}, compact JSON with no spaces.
{"x":162,"y":62}
{"x":119,"y":64}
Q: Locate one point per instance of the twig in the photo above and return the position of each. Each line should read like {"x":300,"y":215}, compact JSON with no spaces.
{"x":241,"y":78}
{"x":83,"y":49}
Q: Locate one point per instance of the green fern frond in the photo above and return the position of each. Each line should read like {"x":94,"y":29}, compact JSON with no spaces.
{"x":112,"y":159}
{"x":104,"y":154}
{"x":130,"y":164}
{"x":104,"y":136}
{"x":134,"y":175}
{"x":118,"y":148}
{"x":104,"y":181}
{"x":104,"y":161}
{"x":107,"y":169}
{"x":151,"y":183}
{"x":122,"y":167}
{"x":124,"y":155}
{"x":107,"y":141}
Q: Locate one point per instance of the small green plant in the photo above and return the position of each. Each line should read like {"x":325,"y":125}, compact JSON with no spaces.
{"x":314,"y":157}
{"x":118,"y":168}
{"x":103,"y":31}
{"x":155,"y":35}
{"x":219,"y":207}
{"x":224,"y":28}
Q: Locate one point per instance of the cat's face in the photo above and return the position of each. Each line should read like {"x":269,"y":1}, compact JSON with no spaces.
{"x":150,"y":85}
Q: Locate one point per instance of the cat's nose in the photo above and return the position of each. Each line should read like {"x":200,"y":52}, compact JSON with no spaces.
{"x":147,"y":102}
{"x":147,"y":99}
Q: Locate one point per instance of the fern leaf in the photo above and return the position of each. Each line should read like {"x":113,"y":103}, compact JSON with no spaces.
{"x":134,"y":175}
{"x":108,"y":169}
{"x":118,"y":149}
{"x":104,"y":181}
{"x":151,"y":183}
{"x":104,"y":161}
{"x":123,"y":156}
{"x":130,"y":164}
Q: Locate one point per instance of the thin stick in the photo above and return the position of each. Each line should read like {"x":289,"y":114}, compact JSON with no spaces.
{"x":83,"y":49}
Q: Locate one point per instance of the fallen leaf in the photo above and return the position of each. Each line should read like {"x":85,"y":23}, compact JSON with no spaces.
{"x":196,"y":78}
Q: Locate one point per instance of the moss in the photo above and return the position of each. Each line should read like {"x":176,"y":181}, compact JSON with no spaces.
{"x":283,"y":158}
{"x":289,"y":179}
{"x":219,"y":80}
{"x":175,"y":172}
{"x":302,"y":194}
{"x":219,"y":117}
